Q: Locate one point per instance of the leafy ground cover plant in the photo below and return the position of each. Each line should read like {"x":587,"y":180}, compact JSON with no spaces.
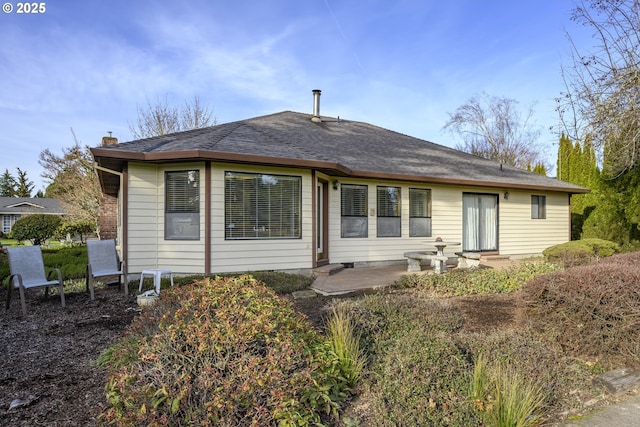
{"x":225,"y":352}
{"x":477,"y":281}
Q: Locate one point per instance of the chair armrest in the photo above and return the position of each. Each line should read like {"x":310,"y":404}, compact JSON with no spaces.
{"x":19,"y":276}
{"x":58,"y":273}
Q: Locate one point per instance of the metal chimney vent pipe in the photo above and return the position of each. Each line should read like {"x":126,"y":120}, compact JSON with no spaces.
{"x":316,"y":106}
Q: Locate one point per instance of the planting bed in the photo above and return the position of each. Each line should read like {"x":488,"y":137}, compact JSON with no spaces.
{"x":47,"y":359}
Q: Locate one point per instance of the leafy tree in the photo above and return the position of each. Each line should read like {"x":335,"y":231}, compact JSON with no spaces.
{"x":36,"y":228}
{"x":577,"y":164}
{"x":162,"y":118}
{"x":73,"y":181}
{"x":81,"y":228}
{"x":540,"y":169}
{"x":492,"y":127}
{"x":24,"y":186}
{"x":7,"y":184}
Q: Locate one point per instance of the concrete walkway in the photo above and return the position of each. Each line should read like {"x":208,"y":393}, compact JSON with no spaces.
{"x":625,"y":413}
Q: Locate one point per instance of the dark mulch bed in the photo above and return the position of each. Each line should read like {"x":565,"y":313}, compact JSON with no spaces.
{"x":47,"y":359}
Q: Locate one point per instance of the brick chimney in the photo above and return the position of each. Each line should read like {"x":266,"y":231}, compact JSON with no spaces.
{"x":108,"y":210}
{"x":109,"y":140}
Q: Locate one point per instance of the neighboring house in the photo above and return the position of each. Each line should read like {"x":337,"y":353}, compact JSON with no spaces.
{"x":293,"y":191}
{"x":14,"y":208}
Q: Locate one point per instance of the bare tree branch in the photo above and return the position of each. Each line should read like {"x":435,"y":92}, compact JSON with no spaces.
{"x":493,"y":128}
{"x":602,"y":98}
{"x":162,"y":118}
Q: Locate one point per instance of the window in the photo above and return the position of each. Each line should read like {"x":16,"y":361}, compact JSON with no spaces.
{"x":261,"y":206}
{"x":182,"y":205}
{"x":389,"y":221}
{"x":538,"y":207}
{"x":419,"y":212}
{"x":354,"y":207}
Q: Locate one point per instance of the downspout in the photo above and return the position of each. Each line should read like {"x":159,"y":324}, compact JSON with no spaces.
{"x":120,"y":175}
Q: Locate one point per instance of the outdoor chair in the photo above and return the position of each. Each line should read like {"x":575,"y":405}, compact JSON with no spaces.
{"x":103,"y":262}
{"x":27,"y":271}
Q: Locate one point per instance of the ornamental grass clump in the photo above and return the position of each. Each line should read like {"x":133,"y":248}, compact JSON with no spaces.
{"x":345,"y":344}
{"x":504,"y":397}
{"x":223,"y":352}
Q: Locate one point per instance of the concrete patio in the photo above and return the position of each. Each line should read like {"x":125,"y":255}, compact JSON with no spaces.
{"x":335,"y":280}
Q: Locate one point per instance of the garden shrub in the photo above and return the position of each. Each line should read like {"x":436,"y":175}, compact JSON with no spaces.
{"x":593,"y":309}
{"x":476,"y":281}
{"x":36,"y":228}
{"x":580,"y":252}
{"x":224,"y":352}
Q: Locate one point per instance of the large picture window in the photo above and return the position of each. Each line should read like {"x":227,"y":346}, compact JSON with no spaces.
{"x":538,"y":207}
{"x":182,"y":205}
{"x":262,"y":206}
{"x":389,"y":220}
{"x":354,"y":205}
{"x":419,"y":212}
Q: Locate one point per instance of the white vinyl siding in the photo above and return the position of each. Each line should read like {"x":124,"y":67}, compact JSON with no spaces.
{"x":147,"y":247}
{"x":518,"y":234}
{"x":446,"y":222}
{"x":262,"y":254}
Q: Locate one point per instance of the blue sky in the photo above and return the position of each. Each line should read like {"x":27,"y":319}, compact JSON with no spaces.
{"x":402,"y":65}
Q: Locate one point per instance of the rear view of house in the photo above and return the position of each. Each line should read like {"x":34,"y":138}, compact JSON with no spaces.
{"x":294,"y":191}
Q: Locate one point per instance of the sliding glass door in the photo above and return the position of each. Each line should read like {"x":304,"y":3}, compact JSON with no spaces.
{"x":480,"y":222}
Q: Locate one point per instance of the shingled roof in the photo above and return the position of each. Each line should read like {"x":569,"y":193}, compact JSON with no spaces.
{"x":335,"y":146}
{"x":27,"y":205}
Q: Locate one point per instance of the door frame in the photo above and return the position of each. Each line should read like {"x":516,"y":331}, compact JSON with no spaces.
{"x":320,"y":222}
{"x":496,"y":196}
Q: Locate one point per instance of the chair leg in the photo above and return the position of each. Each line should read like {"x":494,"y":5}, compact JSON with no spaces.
{"x":61,"y":286}
{"x":9,"y":290}
{"x":90,"y":281}
{"x":22,"y":302}
{"x":62,"y":295}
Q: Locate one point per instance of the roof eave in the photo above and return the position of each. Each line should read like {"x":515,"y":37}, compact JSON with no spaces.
{"x":330,"y":168}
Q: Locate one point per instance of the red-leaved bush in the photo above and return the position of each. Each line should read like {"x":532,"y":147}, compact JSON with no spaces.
{"x":223,"y":352}
{"x":594,"y":310}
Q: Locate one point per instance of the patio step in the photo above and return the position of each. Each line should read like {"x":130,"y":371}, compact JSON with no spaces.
{"x":495,"y":257}
{"x":328,"y":270}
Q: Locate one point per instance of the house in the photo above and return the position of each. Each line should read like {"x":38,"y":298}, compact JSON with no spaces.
{"x":14,"y":208}
{"x":294,"y":191}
